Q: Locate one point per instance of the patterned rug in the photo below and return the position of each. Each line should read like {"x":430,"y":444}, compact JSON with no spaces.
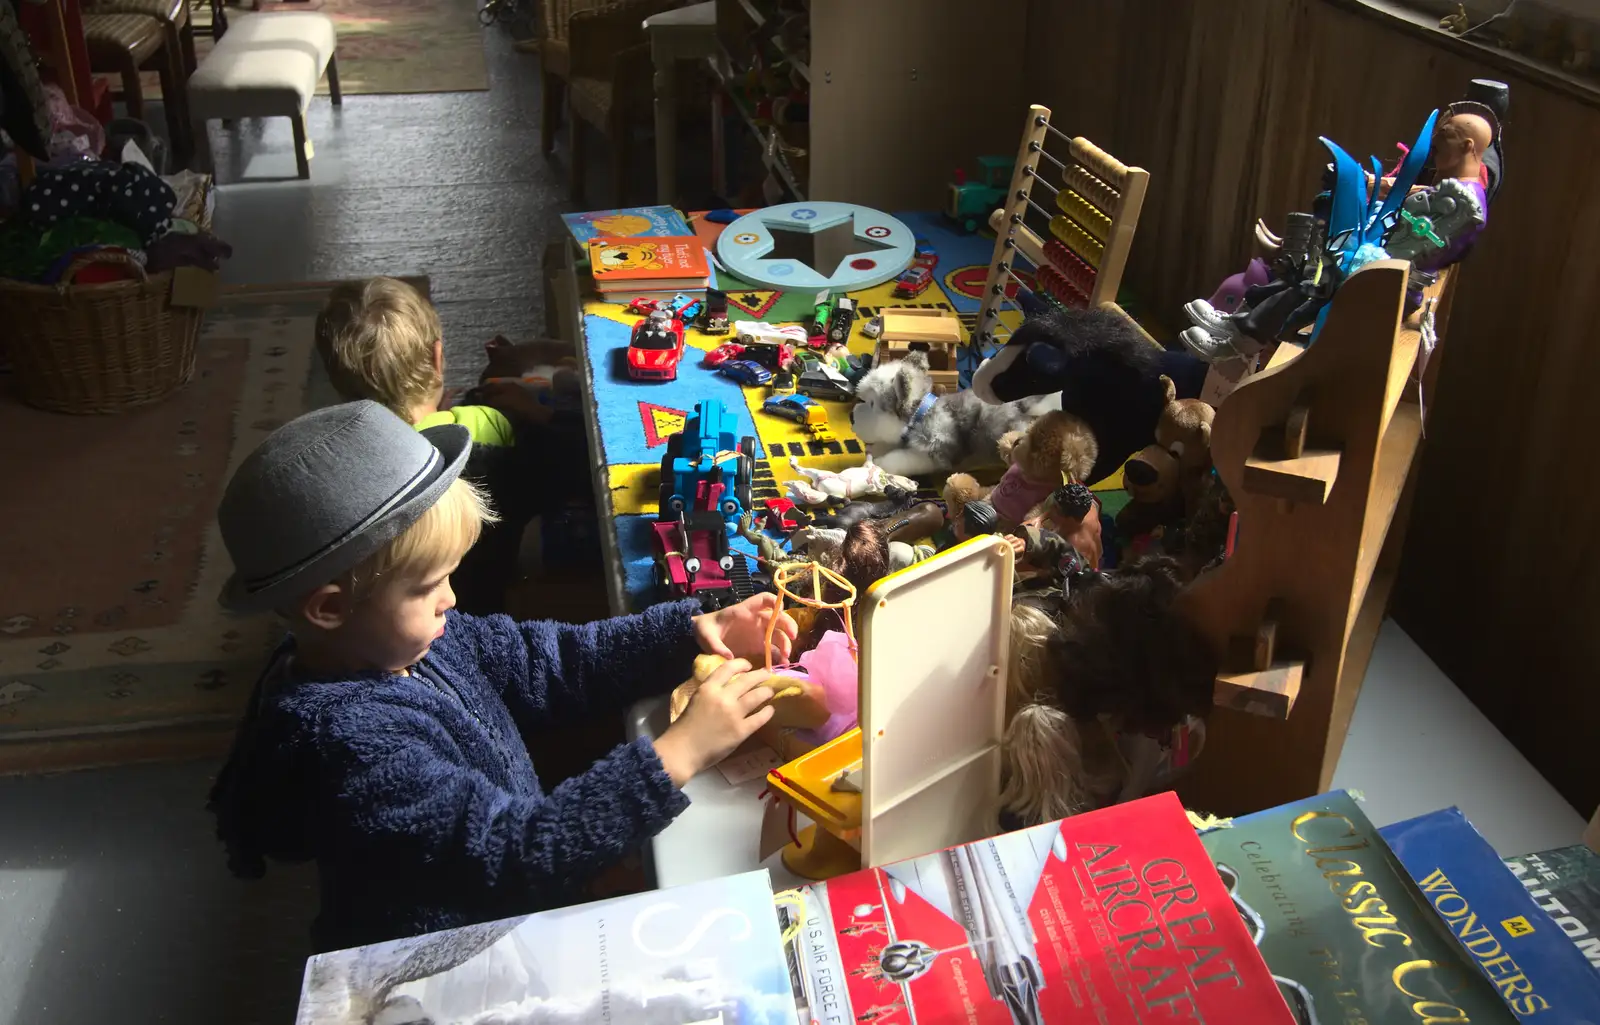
{"x":386,"y":46}
{"x":112,"y":645}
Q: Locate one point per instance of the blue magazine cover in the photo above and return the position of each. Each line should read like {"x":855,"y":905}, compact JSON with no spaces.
{"x":709,"y":953}
{"x":631,"y":222}
{"x":1540,"y":975}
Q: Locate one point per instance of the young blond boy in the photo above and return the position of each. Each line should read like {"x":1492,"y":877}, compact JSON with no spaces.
{"x":384,"y":739}
{"x":380,"y":339}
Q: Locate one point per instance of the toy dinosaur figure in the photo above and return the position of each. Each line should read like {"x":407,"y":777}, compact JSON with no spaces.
{"x":768,"y":551}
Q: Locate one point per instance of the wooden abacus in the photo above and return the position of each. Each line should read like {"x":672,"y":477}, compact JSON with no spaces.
{"x":1079,"y":249}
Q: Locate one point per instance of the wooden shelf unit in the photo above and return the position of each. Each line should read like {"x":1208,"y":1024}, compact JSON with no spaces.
{"x":1314,"y":563}
{"x":897,"y":100}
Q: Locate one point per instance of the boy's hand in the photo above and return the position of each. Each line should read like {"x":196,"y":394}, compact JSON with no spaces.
{"x":722,"y":713}
{"x":740,"y":631}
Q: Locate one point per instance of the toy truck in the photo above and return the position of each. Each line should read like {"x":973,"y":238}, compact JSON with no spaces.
{"x":972,"y":201}
{"x":707,"y":466}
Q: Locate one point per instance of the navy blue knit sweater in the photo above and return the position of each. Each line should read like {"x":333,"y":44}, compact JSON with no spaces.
{"x":416,"y":795}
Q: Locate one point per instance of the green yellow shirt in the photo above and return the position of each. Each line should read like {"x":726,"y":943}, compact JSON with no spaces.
{"x":488,"y":426}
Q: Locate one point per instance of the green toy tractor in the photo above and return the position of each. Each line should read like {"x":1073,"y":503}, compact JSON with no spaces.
{"x":972,"y":201}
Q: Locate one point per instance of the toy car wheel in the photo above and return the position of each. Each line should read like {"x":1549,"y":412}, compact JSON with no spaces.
{"x":744,"y":479}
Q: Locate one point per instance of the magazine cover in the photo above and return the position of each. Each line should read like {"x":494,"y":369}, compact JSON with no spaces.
{"x":1565,"y":883}
{"x":1345,"y":932}
{"x":708,"y":954}
{"x":1539,"y":975}
{"x":632,"y":222}
{"x":1111,"y":916}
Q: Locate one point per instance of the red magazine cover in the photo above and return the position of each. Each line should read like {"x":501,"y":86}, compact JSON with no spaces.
{"x":1108,"y":917}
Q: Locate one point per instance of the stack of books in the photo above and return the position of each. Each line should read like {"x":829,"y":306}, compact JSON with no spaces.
{"x":1115,"y":917}
{"x":641,"y":252}
{"x":1305,"y":914}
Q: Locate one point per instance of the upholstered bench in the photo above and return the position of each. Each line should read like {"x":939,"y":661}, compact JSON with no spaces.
{"x":266,"y":65}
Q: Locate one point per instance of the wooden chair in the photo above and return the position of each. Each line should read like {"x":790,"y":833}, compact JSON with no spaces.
{"x":173,"y":15}
{"x":555,"y":63}
{"x":611,"y":79}
{"x":124,"y":44}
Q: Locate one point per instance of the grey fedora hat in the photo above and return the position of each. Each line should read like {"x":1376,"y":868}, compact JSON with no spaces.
{"x":324,"y":492}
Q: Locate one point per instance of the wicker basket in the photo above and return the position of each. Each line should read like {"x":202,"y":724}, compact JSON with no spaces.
{"x":98,"y":348}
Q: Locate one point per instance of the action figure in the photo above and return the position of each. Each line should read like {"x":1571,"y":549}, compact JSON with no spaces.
{"x":1431,"y":227}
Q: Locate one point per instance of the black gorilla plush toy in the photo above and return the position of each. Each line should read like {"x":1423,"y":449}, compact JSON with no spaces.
{"x":1107,"y":371}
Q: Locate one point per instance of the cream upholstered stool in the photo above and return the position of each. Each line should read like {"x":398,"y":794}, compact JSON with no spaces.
{"x":266,"y":65}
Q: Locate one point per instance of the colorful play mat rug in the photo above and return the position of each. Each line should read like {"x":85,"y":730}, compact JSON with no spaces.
{"x":112,"y":645}
{"x":635,"y":417}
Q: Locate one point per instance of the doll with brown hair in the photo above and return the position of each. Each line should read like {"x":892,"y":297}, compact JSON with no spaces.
{"x":1055,"y":446}
{"x":1102,"y":678}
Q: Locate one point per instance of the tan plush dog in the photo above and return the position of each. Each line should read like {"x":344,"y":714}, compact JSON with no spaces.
{"x":1057,"y":445}
{"x":1184,"y":430}
{"x":796,"y":703}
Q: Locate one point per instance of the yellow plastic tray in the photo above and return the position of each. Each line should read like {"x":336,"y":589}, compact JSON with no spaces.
{"x":807,"y":782}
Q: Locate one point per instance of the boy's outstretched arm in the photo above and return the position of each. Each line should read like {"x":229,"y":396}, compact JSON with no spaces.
{"x":408,"y":798}
{"x":549,"y":671}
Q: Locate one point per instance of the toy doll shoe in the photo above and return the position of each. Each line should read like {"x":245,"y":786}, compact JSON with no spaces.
{"x":1209,"y":318}
{"x":1211,"y":348}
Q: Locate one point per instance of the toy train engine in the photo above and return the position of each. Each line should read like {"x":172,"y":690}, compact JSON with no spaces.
{"x":707,"y":466}
{"x":971,"y":201}
{"x":693,"y":558}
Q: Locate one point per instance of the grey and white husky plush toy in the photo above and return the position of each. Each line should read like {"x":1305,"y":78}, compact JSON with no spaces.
{"x":910,"y":431}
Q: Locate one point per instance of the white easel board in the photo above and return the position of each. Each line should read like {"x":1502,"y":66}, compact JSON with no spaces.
{"x":934,"y":645}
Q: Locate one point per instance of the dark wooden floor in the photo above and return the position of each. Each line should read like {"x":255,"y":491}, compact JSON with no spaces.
{"x":447,"y":185}
{"x":115,"y":903}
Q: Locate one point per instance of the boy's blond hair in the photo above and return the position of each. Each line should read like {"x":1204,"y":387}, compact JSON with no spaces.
{"x":437,"y":541}
{"x":377,"y":341}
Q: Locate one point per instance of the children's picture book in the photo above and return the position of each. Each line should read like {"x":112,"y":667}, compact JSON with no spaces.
{"x":1111,"y":916}
{"x":1520,"y":950}
{"x":1565,"y":884}
{"x":1346,"y":933}
{"x":705,"y":954}
{"x":632,"y":222}
{"x":658,"y":263}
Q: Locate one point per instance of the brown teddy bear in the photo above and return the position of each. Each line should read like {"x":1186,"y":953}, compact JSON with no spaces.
{"x":1184,"y":430}
{"x":1055,"y":445}
{"x":1153,"y":480}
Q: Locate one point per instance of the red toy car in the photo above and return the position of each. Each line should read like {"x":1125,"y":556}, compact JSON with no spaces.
{"x":656,"y":348}
{"x":912,"y":282}
{"x":723,"y":353}
{"x":642,"y":307}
